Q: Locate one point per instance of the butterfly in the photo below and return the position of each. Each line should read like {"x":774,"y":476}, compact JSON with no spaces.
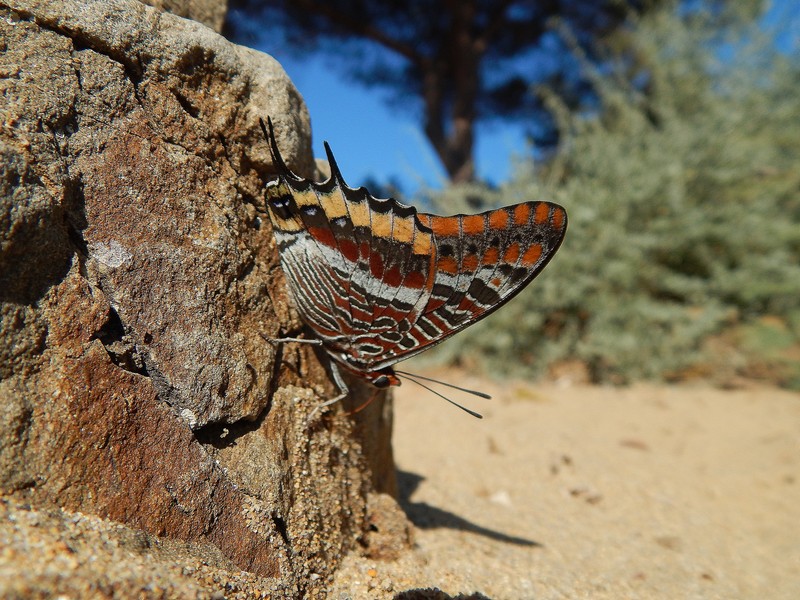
{"x":378,"y":281}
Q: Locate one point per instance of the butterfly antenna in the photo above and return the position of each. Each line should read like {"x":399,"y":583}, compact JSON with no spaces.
{"x":444,"y":383}
{"x":454,"y":403}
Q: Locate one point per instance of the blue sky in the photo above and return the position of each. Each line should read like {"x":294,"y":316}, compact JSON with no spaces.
{"x":370,"y":139}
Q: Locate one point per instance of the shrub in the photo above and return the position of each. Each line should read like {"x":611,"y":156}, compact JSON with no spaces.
{"x":684,"y":209}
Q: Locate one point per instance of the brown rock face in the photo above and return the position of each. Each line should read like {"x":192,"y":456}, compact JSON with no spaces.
{"x":137,"y":272}
{"x":210,"y":13}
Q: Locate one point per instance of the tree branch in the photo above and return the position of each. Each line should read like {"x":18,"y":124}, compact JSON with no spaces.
{"x":496,"y":23}
{"x":363,"y":29}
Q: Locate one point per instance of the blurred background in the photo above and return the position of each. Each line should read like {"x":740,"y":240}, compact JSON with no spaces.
{"x":670,"y":131}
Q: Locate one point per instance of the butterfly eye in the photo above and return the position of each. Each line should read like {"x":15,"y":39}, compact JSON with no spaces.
{"x":381,"y":382}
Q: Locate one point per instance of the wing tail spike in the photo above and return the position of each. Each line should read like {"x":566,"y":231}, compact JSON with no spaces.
{"x":336,"y":174}
{"x":277,"y":159}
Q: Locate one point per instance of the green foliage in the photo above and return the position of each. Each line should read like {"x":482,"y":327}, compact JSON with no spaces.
{"x":684,"y":210}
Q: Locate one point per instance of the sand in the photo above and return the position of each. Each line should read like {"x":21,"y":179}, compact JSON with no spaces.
{"x":559,"y":492}
{"x":591,"y":492}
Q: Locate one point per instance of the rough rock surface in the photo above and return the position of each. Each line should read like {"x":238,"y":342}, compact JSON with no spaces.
{"x":53,"y":553}
{"x":137,"y":274}
{"x":210,"y":13}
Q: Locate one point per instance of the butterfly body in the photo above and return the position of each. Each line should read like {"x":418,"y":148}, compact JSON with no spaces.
{"x":378,"y":282}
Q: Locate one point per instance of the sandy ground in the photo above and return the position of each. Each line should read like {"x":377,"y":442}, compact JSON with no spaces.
{"x":558,"y":493}
{"x":590,"y":492}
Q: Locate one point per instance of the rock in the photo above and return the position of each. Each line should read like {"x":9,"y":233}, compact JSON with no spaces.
{"x":54,"y":553}
{"x":210,"y":13}
{"x":137,"y":274}
{"x":390,"y":532}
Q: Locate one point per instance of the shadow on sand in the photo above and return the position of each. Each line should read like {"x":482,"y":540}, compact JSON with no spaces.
{"x":426,"y":516}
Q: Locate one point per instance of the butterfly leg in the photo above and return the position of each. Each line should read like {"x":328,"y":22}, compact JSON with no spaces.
{"x":275,"y":341}
{"x":365,"y":404}
{"x":335,"y":372}
{"x":343,"y":391}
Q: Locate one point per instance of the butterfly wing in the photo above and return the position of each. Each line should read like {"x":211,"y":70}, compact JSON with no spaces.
{"x":379,"y":282}
{"x":357,"y":266}
{"x":481,"y":262}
